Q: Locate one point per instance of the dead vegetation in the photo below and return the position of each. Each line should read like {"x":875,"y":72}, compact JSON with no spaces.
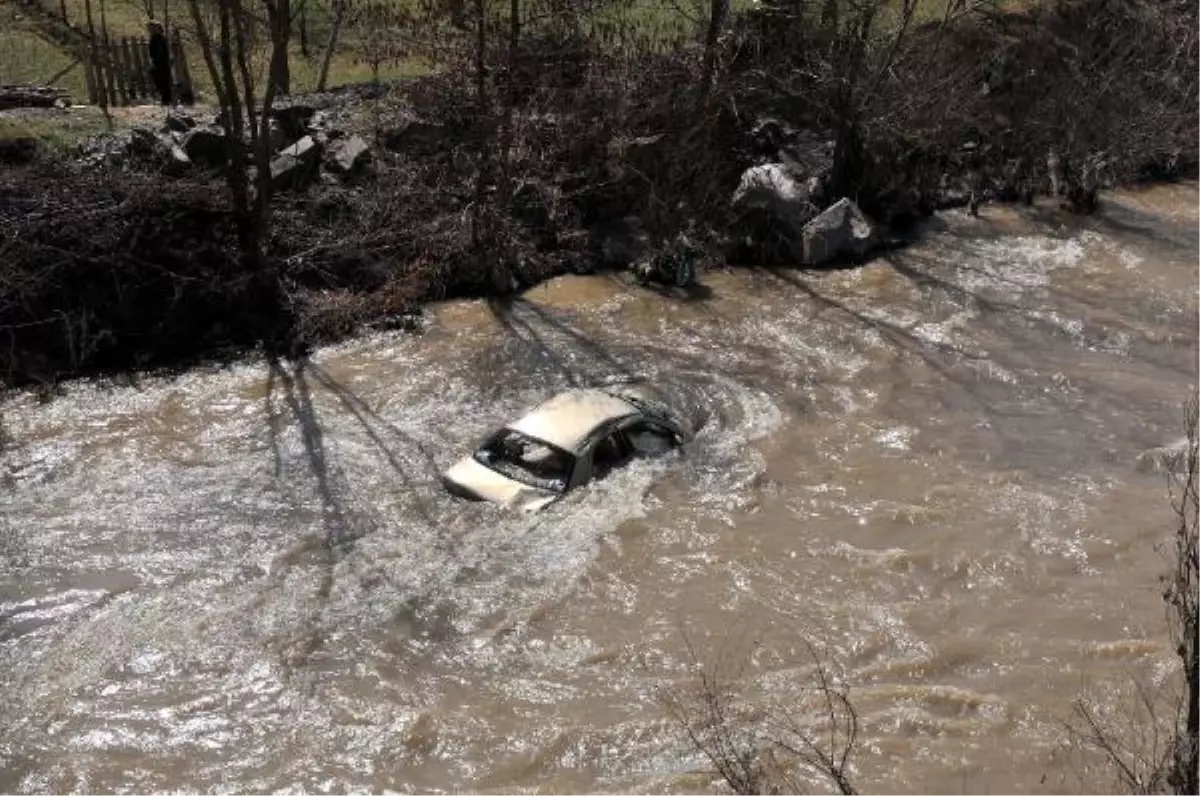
{"x":763,"y":746}
{"x":558,"y":138}
{"x":1148,"y":742}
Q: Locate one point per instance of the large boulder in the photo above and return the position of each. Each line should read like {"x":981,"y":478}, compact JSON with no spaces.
{"x":842,"y":231}
{"x":294,"y":119}
{"x":772,"y":207}
{"x":347,"y":156}
{"x":205,"y":146}
{"x":296,"y":166}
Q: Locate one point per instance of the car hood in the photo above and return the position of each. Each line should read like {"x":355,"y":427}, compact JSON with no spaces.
{"x":487,"y":484}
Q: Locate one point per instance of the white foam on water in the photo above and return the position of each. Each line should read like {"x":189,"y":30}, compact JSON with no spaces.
{"x":1013,"y":265}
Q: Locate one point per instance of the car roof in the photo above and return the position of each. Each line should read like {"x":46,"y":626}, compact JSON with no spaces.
{"x":566,"y":420}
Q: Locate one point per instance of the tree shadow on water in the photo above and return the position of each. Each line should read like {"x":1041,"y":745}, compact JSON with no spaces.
{"x":289,"y":391}
{"x":331,"y":487}
{"x":296,"y":394}
{"x":535,"y":327}
{"x":940,"y":357}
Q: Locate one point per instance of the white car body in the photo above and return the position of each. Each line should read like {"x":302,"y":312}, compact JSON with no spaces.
{"x":561,"y":445}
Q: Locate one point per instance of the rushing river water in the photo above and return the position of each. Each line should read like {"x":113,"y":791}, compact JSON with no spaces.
{"x":250,"y":580}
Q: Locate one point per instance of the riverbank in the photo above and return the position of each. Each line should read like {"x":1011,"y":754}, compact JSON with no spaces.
{"x":129,"y":263}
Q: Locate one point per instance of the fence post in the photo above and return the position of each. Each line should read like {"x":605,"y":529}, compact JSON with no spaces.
{"x":106,"y":70}
{"x":89,"y":74}
{"x":119,"y":76}
{"x":132,"y":78}
{"x":138,"y":65}
{"x":183,"y":76}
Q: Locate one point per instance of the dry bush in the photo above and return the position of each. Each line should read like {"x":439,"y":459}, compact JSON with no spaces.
{"x":772,"y":747}
{"x":1149,"y":744}
{"x":555,"y":121}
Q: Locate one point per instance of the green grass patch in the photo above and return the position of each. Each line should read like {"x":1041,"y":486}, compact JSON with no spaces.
{"x":26,"y":58}
{"x":58,"y":130}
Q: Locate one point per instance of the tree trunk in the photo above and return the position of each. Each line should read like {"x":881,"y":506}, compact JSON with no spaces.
{"x":1186,"y":751}
{"x":304,"y":29}
{"x":98,"y":65}
{"x":280,"y":13}
{"x":718,"y":13}
{"x":505,"y":188}
{"x":339,"y":14}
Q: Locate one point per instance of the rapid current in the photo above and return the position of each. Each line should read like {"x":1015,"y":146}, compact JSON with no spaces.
{"x":937,"y":468}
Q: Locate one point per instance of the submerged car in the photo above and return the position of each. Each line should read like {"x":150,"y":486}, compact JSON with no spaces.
{"x":561,"y":445}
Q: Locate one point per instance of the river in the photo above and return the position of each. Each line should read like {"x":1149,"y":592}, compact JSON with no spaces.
{"x":930,"y":468}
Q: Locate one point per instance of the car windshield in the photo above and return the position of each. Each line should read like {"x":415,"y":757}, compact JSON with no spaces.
{"x":528,"y":460}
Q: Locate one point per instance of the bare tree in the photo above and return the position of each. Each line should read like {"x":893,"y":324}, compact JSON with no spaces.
{"x":1183,"y":613}
{"x":93,"y":50}
{"x":383,"y":33}
{"x":245,"y":114}
{"x":718,"y":16}
{"x":757,"y":749}
{"x":340,"y":9}
{"x":1131,"y":739}
{"x":279,"y":20}
{"x":1150,"y":746}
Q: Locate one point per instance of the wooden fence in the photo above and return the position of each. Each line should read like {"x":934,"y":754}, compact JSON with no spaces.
{"x":118,"y":73}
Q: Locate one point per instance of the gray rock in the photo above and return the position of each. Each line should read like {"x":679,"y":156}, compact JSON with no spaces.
{"x":157,"y":149}
{"x":205,"y":146}
{"x":296,"y":166}
{"x":348,"y":156}
{"x":841,"y":231}
{"x":178,"y":157}
{"x":179,"y":122}
{"x":294,"y":118}
{"x":773,"y":207}
{"x":771,"y":187}
{"x":305,"y":149}
{"x":277,"y":139}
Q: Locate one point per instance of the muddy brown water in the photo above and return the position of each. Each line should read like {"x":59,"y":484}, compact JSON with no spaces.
{"x":248,"y":579}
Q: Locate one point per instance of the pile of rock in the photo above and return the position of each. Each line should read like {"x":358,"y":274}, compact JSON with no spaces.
{"x":780,"y":220}
{"x":305,"y":146}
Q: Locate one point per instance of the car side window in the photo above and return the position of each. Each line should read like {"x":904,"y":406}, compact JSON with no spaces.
{"x":608,"y":453}
{"x":648,"y":439}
